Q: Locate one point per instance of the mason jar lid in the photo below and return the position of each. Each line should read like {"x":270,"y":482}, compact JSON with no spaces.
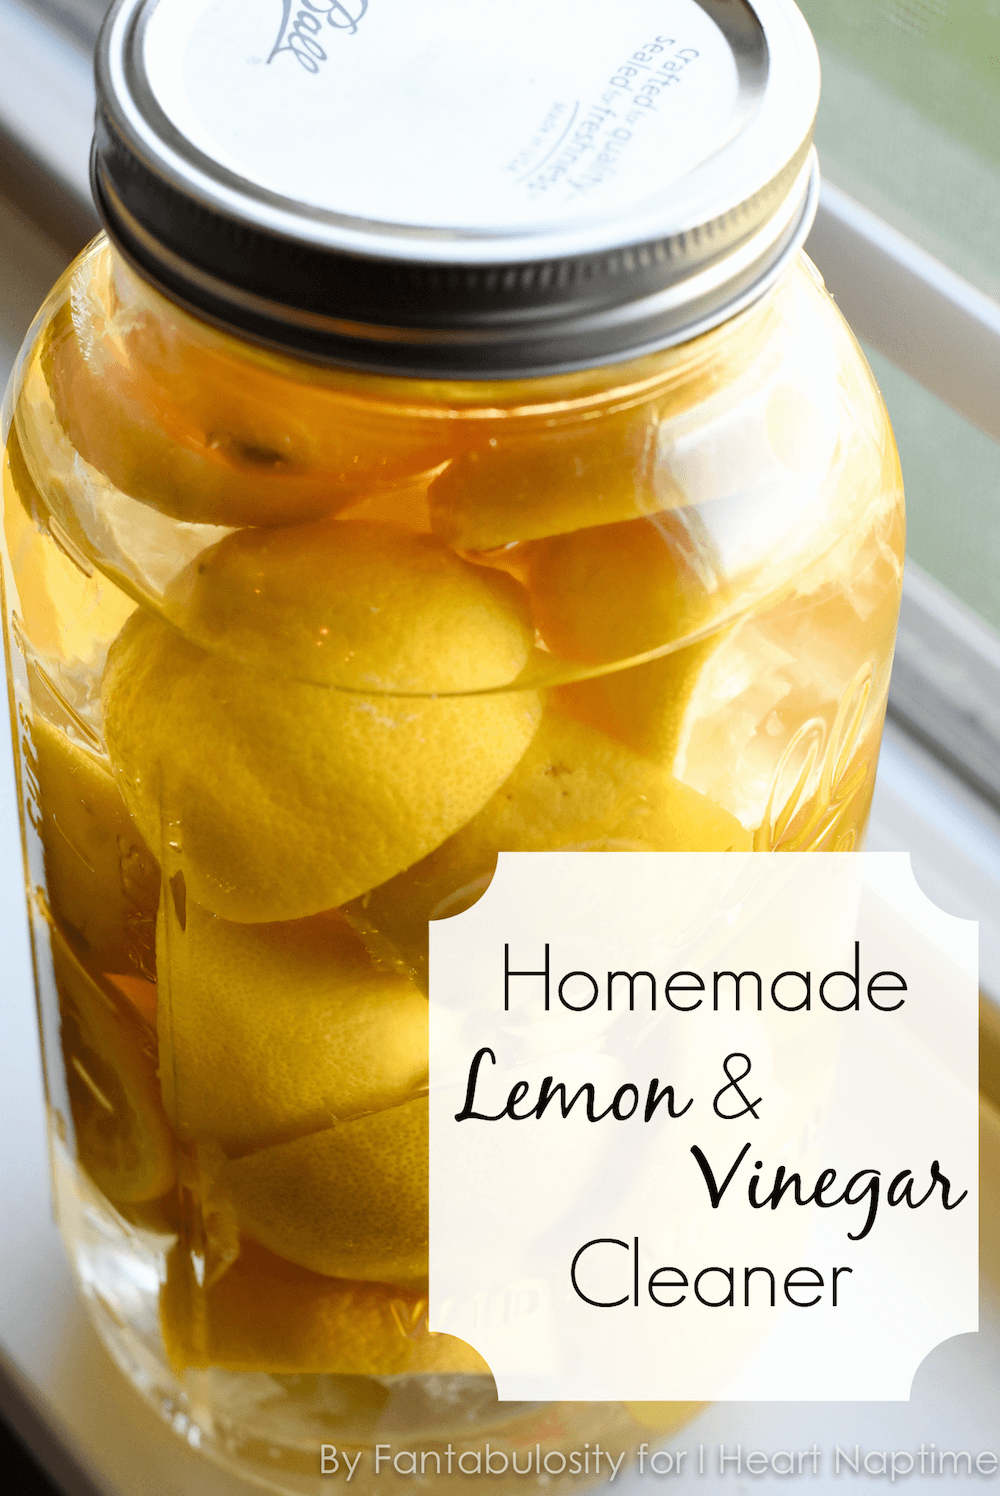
{"x":463,"y":188}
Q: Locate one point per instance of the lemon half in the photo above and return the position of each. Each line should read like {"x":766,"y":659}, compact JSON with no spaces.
{"x":271,"y":1030}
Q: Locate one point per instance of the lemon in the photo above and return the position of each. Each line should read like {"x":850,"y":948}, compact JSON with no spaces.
{"x":575,"y":788}
{"x":552,"y":480}
{"x":608,"y":594}
{"x":644,"y":706}
{"x":123,"y":1138}
{"x":102,"y":880}
{"x":350,"y":1202}
{"x":288,"y":799}
{"x":625,"y":590}
{"x":265,"y":1314}
{"x":356,"y":603}
{"x":673,"y":817}
{"x":208,"y":432}
{"x":275,"y":1029}
{"x":559,"y":460}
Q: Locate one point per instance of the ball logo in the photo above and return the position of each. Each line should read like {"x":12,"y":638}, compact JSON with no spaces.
{"x":302,"y":23}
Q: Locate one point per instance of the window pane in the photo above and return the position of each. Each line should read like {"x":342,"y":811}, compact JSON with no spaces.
{"x":908,"y":120}
{"x":908,"y":126}
{"x":952,"y":477}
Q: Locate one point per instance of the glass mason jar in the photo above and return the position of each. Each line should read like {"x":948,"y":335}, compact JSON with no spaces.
{"x":335,"y":568}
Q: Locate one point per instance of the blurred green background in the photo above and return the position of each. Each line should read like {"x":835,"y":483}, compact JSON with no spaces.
{"x":909,"y":124}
